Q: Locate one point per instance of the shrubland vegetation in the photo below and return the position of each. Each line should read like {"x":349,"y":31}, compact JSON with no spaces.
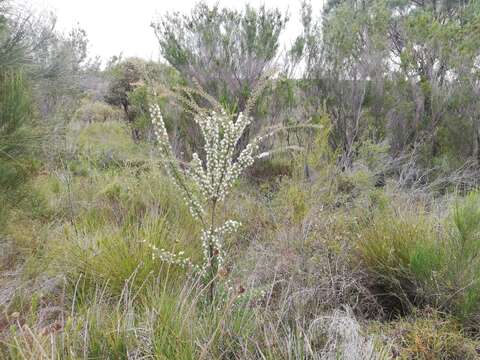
{"x":240,"y":201}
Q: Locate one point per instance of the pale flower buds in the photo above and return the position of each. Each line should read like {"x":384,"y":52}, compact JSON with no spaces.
{"x":213,"y":177}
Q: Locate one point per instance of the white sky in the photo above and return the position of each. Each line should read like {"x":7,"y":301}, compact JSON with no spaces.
{"x":123,"y":26}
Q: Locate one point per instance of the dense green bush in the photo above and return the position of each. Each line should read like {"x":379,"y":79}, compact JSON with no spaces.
{"x":403,"y":253}
{"x":16,"y":134}
{"x":418,"y":260}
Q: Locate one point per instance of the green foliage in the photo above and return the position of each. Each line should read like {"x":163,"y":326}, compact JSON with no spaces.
{"x":419,"y":262}
{"x":15,"y":113}
{"x":108,"y":144}
{"x":393,"y":88}
{"x":271,"y":169}
{"x":110,"y":243}
{"x":428,"y":99}
{"x":113,"y":257}
{"x":95,"y":111}
{"x":125,"y":74}
{"x":226,"y":51}
{"x":100,"y":329}
{"x":16,"y":134}
{"x":11,"y":40}
{"x":129,"y":80}
{"x":464,"y":269}
{"x":404,"y":255}
{"x":373,"y":154}
{"x":293,"y":198}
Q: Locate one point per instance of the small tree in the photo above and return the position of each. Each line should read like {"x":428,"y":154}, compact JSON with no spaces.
{"x":128,"y":89}
{"x":224,"y":51}
{"x":209,"y":180}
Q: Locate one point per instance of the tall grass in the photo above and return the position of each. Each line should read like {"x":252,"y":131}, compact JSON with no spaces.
{"x":111,"y":241}
{"x":169,"y":324}
{"x":16,"y":135}
{"x":418,"y":259}
{"x":152,"y":326}
{"x":304,"y":282}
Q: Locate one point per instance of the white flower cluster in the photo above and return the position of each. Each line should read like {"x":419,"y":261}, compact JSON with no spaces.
{"x":221,"y":168}
{"x":213,"y":177}
{"x":171,"y":166}
{"x":221,"y":134}
{"x":212,"y":239}
{"x":170,"y":257}
{"x":159,"y":127}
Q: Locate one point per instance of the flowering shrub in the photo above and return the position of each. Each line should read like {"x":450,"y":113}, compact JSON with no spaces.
{"x":211,"y":180}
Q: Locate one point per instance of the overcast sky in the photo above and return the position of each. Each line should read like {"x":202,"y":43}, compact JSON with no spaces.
{"x":123,"y":26}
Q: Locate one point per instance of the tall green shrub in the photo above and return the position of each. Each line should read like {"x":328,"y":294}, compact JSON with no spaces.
{"x":16,"y":136}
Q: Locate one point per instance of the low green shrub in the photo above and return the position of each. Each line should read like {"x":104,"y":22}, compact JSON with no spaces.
{"x":108,"y":145}
{"x":417,"y":260}
{"x":108,"y":225}
{"x":294,"y":201}
{"x":402,"y":253}
{"x":463,"y":275}
{"x":91,"y":111}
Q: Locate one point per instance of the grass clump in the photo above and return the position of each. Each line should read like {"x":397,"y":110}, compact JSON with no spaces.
{"x":112,"y":241}
{"x":151,"y":326}
{"x":108,"y":144}
{"x":403,"y":254}
{"x":114,"y":256}
{"x":418,"y":259}
{"x":428,"y":335}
